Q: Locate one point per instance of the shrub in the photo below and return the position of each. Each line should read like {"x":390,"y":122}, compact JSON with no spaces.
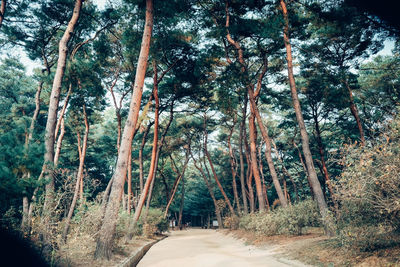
{"x":290,"y":220}
{"x":369,"y":192}
{"x":154,"y":222}
{"x":231,"y":222}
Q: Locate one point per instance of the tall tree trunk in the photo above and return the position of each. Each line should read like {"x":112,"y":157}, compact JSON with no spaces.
{"x":2,"y":11}
{"x":210,"y":191}
{"x":130,"y":182}
{"x":354,"y":112}
{"x":144,"y":139}
{"x":26,"y":220}
{"x":107,"y":231}
{"x":241,"y":160}
{"x":285,"y":171}
{"x":228,"y":202}
{"x":323,"y":162}
{"x":255,"y":113}
{"x":268,"y":149}
{"x":181,"y":205}
{"x":51,"y":123}
{"x":249,"y":174}
{"x":254,"y":165}
{"x":180,"y":177}
{"x":264,"y":188}
{"x":304,"y":167}
{"x":153,"y":166}
{"x":79,"y":177}
{"x":316,"y":186}
{"x":233,"y":168}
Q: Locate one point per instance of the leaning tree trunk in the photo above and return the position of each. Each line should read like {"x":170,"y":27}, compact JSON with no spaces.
{"x":316,"y":186}
{"x":79,"y":177}
{"x":152,"y":169}
{"x":181,"y":205}
{"x":180,"y":177}
{"x":26,"y":219}
{"x":268,"y":149}
{"x":52,"y":120}
{"x":255,"y":113}
{"x":354,"y":112}
{"x":144,"y":139}
{"x":228,"y":202}
{"x":107,"y":231}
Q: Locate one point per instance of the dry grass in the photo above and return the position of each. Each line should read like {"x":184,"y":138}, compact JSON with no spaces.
{"x":79,"y":251}
{"x":316,"y":249}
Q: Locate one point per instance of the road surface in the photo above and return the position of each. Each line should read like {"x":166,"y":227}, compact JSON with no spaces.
{"x":200,"y":247}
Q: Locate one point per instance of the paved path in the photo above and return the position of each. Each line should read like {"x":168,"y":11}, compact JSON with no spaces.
{"x":198,"y":247}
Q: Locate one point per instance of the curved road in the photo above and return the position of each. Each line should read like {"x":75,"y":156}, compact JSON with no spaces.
{"x":198,"y":247}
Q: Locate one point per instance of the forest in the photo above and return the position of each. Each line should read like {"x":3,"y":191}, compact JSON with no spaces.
{"x":271,"y":116}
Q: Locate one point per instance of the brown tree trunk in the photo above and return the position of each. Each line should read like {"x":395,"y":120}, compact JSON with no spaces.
{"x":26,"y":220}
{"x":52,"y":120}
{"x":228,"y":202}
{"x":144,"y":139}
{"x":130,"y":182}
{"x":249,"y":175}
{"x":254,"y":165}
{"x":354,"y":111}
{"x":107,"y":231}
{"x":79,"y":177}
{"x":285,"y":171}
{"x":2,"y":11}
{"x":268,"y":149}
{"x":241,"y":160}
{"x":152,"y":169}
{"x":233,"y":169}
{"x":323,"y":162}
{"x":255,"y":112}
{"x":264,"y":188}
{"x":211,"y":191}
{"x":181,"y":205}
{"x":180,"y":177}
{"x":316,"y":186}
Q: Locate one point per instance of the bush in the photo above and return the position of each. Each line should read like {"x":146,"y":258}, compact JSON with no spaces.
{"x":369,"y":192}
{"x":231,"y":222}
{"x":154,"y":223}
{"x":290,"y":220}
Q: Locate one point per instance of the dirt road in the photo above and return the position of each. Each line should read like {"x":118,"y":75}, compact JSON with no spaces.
{"x":198,"y":247}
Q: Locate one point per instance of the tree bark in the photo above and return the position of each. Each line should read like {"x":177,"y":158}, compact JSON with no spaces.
{"x":107,"y":231}
{"x":144,"y":139}
{"x":254,"y":165}
{"x":354,"y":111}
{"x":241,"y":160}
{"x":181,"y":205}
{"x":180,"y":177}
{"x":51,"y":122}
{"x":228,"y":202}
{"x":255,"y":112}
{"x":316,"y":186}
{"x":129,"y":208}
{"x":153,"y":166}
{"x":233,"y":168}
{"x":285,"y":171}
{"x":79,"y":176}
